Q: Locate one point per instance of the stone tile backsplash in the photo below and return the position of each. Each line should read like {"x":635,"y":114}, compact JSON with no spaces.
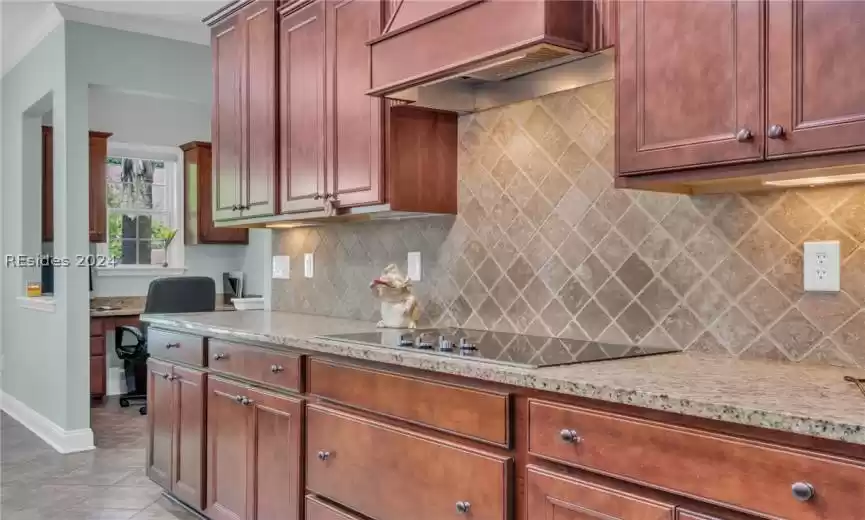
{"x":544,"y":244}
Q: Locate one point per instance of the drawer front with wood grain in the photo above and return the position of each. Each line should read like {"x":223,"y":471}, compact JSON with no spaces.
{"x":97,"y":346}
{"x":477,"y":414}
{"x":317,"y":509}
{"x":256,"y":364}
{"x":388,"y":473}
{"x":176,"y":346}
{"x":551,"y":496}
{"x":748,"y":475}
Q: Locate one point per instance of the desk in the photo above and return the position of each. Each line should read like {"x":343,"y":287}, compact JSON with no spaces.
{"x":100,"y":325}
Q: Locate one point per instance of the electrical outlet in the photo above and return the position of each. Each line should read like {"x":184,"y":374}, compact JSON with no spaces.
{"x":822,"y":266}
{"x":414,"y":266}
{"x":308,"y":265}
{"x":282,"y":267}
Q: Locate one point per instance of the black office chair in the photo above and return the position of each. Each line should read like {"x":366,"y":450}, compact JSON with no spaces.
{"x":164,"y":296}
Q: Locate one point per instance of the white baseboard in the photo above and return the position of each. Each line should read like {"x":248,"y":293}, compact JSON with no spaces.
{"x":64,"y":441}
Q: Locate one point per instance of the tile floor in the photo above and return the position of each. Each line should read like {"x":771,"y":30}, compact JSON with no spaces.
{"x":105,"y":484}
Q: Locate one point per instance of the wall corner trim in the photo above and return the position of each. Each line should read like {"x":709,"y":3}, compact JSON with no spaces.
{"x":64,"y":441}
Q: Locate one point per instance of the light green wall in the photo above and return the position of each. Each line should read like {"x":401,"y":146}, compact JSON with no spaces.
{"x":41,"y":365}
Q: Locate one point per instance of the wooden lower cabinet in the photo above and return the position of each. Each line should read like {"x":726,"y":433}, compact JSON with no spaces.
{"x":175,"y":425}
{"x":253,"y":453}
{"x":687,"y":515}
{"x":551,"y":496}
{"x":317,"y":509}
{"x":160,"y":422}
{"x":390,"y":473}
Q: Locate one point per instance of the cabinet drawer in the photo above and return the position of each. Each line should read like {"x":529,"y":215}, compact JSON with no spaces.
{"x":344,"y":451}
{"x":745,"y":474}
{"x":97,"y":327}
{"x":472,"y":413}
{"x":176,"y":346}
{"x":560,"y":496}
{"x":256,"y":364}
{"x":97,"y":346}
{"x":317,"y":509}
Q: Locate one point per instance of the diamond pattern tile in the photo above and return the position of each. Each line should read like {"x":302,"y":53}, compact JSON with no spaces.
{"x":545,"y":243}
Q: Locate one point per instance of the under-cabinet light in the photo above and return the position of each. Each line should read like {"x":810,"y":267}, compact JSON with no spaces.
{"x":816,"y":181}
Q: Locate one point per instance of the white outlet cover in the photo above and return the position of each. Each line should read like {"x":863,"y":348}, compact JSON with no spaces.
{"x":414,"y":266}
{"x":822,"y":266}
{"x":282,"y":267}
{"x":308,"y":265}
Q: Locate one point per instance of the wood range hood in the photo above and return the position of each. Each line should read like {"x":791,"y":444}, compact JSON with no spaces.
{"x":506,"y":51}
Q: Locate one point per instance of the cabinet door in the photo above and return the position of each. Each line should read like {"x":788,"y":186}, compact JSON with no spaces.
{"x":47,"y":184}
{"x":276,"y":460}
{"x":815,"y":76}
{"x":187,"y":481}
{"x":317,"y":509}
{"x":301,"y":105}
{"x":160,"y":422}
{"x":228,"y":444}
{"x":227,"y":43}
{"x":355,"y":138}
{"x":687,"y":515}
{"x":97,"y":376}
{"x":97,"y":210}
{"x":551,"y":496}
{"x":689,"y":84}
{"x":258,"y":92}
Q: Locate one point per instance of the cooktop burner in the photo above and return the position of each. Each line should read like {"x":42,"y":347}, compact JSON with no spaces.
{"x":500,"y":347}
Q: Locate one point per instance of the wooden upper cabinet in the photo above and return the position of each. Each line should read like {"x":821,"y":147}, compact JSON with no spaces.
{"x":227,"y":44}
{"x":815,"y":76}
{"x":550,"y":496}
{"x":47,"y":185}
{"x":689,"y":84}
{"x":97,"y":212}
{"x":198,"y":204}
{"x":301,"y":108}
{"x":258,"y":94}
{"x":354,"y":171}
{"x":98,"y":221}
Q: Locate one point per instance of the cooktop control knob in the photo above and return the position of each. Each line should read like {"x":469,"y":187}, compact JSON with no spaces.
{"x":445,"y":344}
{"x":406,"y":340}
{"x":467,"y":345}
{"x":424,"y":343}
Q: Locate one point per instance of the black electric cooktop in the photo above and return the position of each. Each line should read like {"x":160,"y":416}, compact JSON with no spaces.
{"x":499,"y":347}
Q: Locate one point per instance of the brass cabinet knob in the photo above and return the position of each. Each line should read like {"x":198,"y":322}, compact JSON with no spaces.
{"x":463,"y":507}
{"x":323,"y":455}
{"x":276,"y":368}
{"x":570,"y":436}
{"x":238,"y":398}
{"x":245,"y":401}
{"x":219,"y":355}
{"x":775,"y":132}
{"x":744,"y":135}
{"x":803,"y":491}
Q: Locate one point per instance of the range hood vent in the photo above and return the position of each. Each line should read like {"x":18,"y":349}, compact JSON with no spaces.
{"x":530,"y":60}
{"x":519,"y":76}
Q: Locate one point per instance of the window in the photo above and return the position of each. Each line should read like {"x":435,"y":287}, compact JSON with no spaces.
{"x":144,"y":215}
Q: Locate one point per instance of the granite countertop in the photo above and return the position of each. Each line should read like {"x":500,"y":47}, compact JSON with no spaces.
{"x":116,"y":306}
{"x":804,"y":399}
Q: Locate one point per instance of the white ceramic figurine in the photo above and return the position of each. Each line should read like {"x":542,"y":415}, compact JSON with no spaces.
{"x":399,"y":307}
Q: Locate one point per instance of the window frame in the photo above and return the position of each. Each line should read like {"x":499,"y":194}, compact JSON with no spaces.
{"x":174,"y":197}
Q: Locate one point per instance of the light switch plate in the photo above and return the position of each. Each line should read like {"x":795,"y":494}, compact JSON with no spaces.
{"x":822,"y":266}
{"x":414,"y":266}
{"x":282,"y":267}
{"x":308,"y":265}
